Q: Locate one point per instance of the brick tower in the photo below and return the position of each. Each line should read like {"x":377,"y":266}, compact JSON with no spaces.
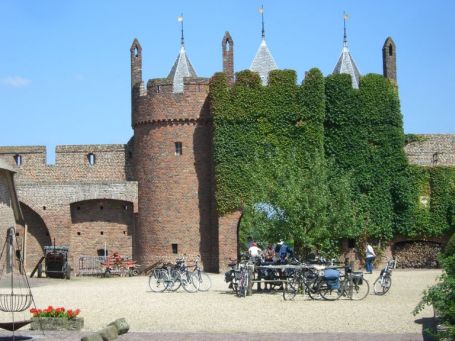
{"x":389,"y":59}
{"x":172,"y":160}
{"x":227,"y":45}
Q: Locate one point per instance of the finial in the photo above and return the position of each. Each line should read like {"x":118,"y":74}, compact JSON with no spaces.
{"x":345,"y":17}
{"x":180,"y":20}
{"x":261,"y":10}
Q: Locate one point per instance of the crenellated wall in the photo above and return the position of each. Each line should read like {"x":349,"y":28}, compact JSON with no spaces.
{"x":79,"y":201}
{"x":111,"y":163}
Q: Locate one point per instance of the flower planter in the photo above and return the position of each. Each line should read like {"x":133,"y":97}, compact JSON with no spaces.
{"x":57,"y":323}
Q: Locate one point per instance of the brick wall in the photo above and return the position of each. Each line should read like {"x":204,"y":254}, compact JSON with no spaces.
{"x":112,"y":163}
{"x":432,"y":150}
{"x":175,"y":198}
{"x":99,"y":223}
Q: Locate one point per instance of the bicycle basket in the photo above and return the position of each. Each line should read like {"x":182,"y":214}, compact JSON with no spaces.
{"x":357,"y":278}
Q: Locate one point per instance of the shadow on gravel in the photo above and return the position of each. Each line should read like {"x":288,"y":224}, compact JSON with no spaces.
{"x":17,"y":338}
{"x":428,"y":328}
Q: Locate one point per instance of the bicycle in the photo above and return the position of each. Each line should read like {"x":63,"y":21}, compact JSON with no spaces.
{"x":243,"y":281}
{"x":305,"y":281}
{"x":383,"y":283}
{"x":181,"y":276}
{"x":354,"y":286}
{"x":205,"y":282}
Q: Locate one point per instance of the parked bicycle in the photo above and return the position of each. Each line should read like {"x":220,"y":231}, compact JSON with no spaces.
{"x":383,"y":283}
{"x":205,"y":282}
{"x":353,"y":285}
{"x":172,"y":277}
{"x":303,"y":281}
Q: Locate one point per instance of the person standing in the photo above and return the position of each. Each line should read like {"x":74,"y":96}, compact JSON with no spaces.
{"x":369,"y":258}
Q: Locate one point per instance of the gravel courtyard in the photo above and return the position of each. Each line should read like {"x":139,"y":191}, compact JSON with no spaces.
{"x":103,"y":300}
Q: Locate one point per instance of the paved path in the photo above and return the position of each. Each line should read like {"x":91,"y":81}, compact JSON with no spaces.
{"x":27,"y":335}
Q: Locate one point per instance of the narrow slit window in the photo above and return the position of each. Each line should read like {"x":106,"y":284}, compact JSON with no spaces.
{"x":390,"y":50}
{"x":178,"y":148}
{"x":136,"y":52}
{"x":175,"y":248}
{"x":91,"y":159}
{"x":228,"y":46}
{"x":18,"y":159}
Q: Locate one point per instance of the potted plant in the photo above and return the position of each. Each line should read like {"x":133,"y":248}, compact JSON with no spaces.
{"x":56,"y":319}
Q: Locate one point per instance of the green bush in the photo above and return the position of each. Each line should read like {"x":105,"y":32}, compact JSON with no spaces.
{"x":442,"y":296}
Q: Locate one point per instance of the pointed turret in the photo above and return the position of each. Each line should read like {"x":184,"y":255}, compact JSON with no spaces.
{"x":263,"y":62}
{"x":346,"y":63}
{"x":227,"y":45}
{"x":182,"y":67}
{"x":389,"y":58}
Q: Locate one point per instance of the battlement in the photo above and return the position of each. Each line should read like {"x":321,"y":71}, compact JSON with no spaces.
{"x":159,"y":103}
{"x":73,"y":163}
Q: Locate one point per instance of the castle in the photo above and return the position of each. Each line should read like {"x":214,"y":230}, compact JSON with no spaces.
{"x":154,"y":197}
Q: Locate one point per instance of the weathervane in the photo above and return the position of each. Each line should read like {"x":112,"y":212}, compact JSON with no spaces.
{"x":345,"y":17}
{"x":261,"y":10}
{"x":180,"y":20}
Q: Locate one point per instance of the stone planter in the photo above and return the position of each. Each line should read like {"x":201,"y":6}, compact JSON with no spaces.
{"x":57,"y":323}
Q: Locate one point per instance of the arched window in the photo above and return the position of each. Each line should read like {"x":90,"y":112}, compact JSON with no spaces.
{"x":136,"y":52}
{"x":228,"y":46}
{"x":390,"y":50}
{"x":91,"y":159}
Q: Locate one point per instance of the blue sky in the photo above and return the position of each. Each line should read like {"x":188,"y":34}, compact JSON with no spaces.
{"x":65,"y":68}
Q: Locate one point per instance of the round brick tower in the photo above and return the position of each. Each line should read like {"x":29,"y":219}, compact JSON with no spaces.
{"x":172,"y":159}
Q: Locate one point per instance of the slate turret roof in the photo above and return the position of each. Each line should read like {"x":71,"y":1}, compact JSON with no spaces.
{"x":182,"y":68}
{"x":263,"y":62}
{"x":347,"y":65}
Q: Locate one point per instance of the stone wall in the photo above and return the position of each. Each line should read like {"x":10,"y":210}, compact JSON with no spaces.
{"x":432,"y":150}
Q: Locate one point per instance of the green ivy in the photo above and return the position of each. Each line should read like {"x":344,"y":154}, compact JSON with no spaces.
{"x":357,"y":133}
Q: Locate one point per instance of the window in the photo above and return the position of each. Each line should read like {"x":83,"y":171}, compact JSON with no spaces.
{"x":136,"y":52}
{"x":18,"y":159}
{"x":435,"y":158}
{"x":175,"y":248}
{"x":158,"y":88}
{"x":390,"y":50}
{"x":178,"y":148}
{"x":91,"y":159}
{"x":228,"y":46}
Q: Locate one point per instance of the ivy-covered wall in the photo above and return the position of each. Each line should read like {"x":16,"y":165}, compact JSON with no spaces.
{"x":359,"y":133}
{"x":253,"y":122}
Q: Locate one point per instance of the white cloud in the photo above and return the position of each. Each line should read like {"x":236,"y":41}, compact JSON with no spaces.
{"x":15,"y":81}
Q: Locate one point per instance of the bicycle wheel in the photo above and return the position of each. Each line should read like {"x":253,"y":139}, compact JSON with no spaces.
{"x":205,"y":282}
{"x":360,"y":291}
{"x":158,"y":280}
{"x":382,"y":285}
{"x":174,"y":281}
{"x":242,"y":285}
{"x":312,"y":288}
{"x":328,"y":293}
{"x":190,"y":281}
{"x":290,"y":290}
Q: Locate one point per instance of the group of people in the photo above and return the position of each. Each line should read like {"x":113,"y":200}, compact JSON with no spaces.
{"x":279,"y":252}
